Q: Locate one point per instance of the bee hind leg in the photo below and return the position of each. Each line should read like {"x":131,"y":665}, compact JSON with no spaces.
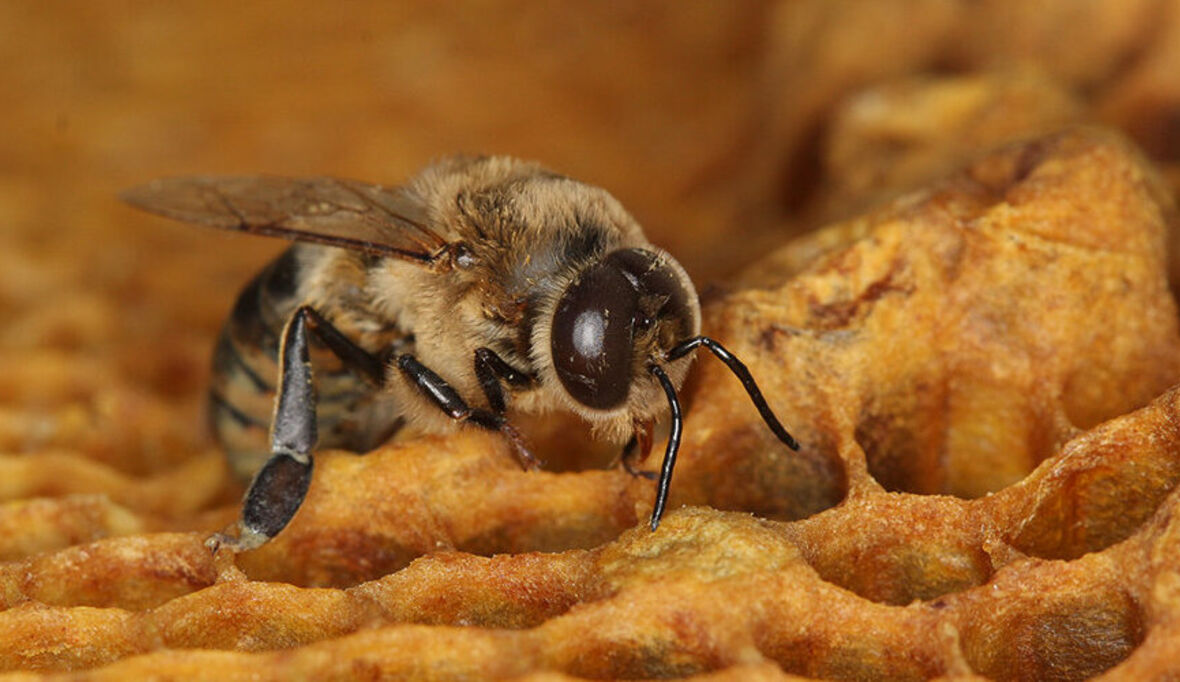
{"x":447,"y":399}
{"x":281,"y":484}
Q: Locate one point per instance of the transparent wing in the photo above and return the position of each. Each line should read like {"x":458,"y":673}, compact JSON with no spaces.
{"x":346,"y":213}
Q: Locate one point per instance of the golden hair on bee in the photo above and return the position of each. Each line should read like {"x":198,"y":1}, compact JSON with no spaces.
{"x":480,"y":282}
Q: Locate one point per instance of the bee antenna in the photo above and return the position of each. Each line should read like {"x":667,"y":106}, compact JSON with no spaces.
{"x":743,"y":375}
{"x":673,"y":446}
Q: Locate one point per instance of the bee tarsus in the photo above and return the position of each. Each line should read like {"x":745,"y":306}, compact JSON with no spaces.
{"x":273,"y":498}
{"x":442,"y":395}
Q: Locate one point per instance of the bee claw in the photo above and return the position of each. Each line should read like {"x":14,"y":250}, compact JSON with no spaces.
{"x":215,"y":542}
{"x":528,"y":461}
{"x":224,"y":542}
{"x":639,"y":473}
{"x":224,"y":562}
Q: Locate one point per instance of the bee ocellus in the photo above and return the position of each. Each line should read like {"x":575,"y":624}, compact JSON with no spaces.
{"x":481,"y":282}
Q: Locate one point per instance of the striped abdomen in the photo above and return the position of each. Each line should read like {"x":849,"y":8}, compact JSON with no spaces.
{"x":351,"y":413}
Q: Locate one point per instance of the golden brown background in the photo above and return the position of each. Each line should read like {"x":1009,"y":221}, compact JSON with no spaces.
{"x":726,"y":128}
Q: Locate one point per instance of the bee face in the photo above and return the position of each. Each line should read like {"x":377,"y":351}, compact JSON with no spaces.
{"x":615,"y":317}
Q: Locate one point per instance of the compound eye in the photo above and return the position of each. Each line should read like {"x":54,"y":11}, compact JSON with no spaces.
{"x":592,"y":337}
{"x":662,"y":292}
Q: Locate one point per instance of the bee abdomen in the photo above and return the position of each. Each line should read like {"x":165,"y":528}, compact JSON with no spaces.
{"x":351,"y":414}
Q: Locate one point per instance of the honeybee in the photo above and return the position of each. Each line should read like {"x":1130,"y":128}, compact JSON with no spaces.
{"x":482,"y":280}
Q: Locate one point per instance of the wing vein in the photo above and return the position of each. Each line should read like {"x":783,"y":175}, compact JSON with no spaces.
{"x":368,"y":201}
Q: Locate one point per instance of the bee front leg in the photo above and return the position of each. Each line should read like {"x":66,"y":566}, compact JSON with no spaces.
{"x":491,"y":369}
{"x":281,"y":484}
{"x":447,"y":399}
{"x":637,"y":450}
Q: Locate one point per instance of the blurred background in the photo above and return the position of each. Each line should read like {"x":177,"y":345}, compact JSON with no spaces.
{"x":726,"y":128}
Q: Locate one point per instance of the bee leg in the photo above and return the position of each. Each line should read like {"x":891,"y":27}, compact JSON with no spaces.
{"x":447,"y":399}
{"x":360,"y":361}
{"x":629,"y":457}
{"x":491,"y":369}
{"x":281,"y":484}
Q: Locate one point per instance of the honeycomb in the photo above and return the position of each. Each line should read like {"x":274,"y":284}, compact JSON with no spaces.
{"x":946,"y":252}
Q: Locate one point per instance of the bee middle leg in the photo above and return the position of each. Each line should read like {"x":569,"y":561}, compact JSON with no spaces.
{"x":281,"y":484}
{"x":447,"y":399}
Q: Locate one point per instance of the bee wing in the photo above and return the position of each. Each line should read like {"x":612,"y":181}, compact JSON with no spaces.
{"x":386,"y":221}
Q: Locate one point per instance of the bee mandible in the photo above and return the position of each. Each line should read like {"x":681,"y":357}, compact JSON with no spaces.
{"x":482,"y":280}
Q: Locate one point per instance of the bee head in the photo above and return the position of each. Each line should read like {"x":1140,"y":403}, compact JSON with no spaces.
{"x":617,"y":316}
